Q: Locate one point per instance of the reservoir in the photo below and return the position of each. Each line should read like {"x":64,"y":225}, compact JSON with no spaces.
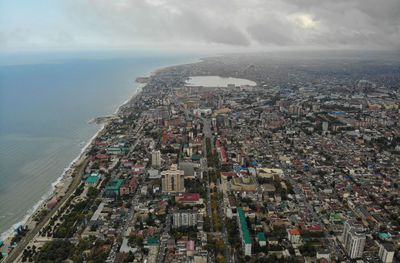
{"x":217,"y":81}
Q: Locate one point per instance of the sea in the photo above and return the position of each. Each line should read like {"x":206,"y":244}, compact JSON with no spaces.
{"x":46,"y":102}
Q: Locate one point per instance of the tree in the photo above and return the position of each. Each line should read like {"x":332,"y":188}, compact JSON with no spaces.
{"x":130,"y":257}
{"x":220,"y":259}
{"x":207,"y":224}
{"x":55,"y":251}
{"x":135,"y":241}
{"x":219,"y":246}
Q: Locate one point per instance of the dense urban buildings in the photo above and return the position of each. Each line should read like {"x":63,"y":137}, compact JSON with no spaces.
{"x":302,"y":166}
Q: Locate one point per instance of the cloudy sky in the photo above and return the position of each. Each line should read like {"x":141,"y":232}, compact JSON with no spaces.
{"x":199,"y":24}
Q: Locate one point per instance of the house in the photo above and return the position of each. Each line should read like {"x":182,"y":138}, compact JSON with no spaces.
{"x":294,"y":235}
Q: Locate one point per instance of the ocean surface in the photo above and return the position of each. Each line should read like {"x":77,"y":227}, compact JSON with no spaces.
{"x":46,"y":101}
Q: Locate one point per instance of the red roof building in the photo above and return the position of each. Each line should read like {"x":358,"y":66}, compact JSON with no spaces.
{"x":228,"y":174}
{"x":102,"y":156}
{"x":223,"y":155}
{"x":188,"y":198}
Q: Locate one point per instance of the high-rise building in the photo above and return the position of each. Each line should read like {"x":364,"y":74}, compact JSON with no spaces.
{"x":386,"y":252}
{"x":172,"y":180}
{"x":185,"y":218}
{"x":354,"y":238}
{"x":156,"y":159}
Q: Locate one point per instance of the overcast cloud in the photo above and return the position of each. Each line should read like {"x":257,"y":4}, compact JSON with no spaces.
{"x":214,"y":23}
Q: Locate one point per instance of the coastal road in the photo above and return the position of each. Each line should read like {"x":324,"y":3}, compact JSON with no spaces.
{"x":79,"y":170}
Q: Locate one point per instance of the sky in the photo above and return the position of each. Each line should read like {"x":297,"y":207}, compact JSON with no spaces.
{"x":199,"y":24}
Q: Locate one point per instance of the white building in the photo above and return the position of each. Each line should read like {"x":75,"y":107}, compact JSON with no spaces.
{"x":386,"y":252}
{"x":353,"y":239}
{"x":185,"y":218}
{"x":156,"y":159}
{"x":154,"y":174}
{"x":324,"y":254}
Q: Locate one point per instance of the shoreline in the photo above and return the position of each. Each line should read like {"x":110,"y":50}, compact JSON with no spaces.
{"x":57,"y":188}
{"x":27,"y":220}
{"x":62,"y":183}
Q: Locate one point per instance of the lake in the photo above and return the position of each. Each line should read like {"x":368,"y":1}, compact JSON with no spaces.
{"x":217,"y":81}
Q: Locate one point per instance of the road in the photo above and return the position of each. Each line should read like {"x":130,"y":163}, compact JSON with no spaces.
{"x":224,"y":232}
{"x":80,"y":168}
{"x":208,"y":134}
{"x":163,"y":240}
{"x":227,"y":248}
{"x":122,"y":230}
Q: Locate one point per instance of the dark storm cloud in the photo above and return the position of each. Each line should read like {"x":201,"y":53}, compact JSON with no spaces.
{"x":364,"y":23}
{"x":233,"y":23}
{"x":272,"y":31}
{"x":227,"y":35}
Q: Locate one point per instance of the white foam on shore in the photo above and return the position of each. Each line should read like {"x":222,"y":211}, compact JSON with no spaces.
{"x":30,"y":212}
{"x":139,"y":88}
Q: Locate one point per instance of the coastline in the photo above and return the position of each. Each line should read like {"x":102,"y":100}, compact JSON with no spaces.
{"x":57,"y":189}
{"x":62,"y":183}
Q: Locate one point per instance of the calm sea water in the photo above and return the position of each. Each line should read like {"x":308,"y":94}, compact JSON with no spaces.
{"x":46,"y":101}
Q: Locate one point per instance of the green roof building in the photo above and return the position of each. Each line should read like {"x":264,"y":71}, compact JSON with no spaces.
{"x":152,"y":241}
{"x":262,"y":240}
{"x":244,"y":232}
{"x":117,"y":150}
{"x":92,"y":180}
{"x":336,"y":217}
{"x":384,"y":236}
{"x":112,"y":188}
{"x":196,"y":157}
{"x":261,"y":236}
